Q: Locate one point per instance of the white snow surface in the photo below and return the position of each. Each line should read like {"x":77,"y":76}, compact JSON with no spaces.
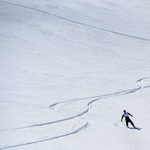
{"x":68,"y":69}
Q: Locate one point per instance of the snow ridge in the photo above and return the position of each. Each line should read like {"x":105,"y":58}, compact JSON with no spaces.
{"x":79,"y":23}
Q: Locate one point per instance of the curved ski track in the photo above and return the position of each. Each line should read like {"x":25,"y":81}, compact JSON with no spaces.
{"x":80,"y":115}
{"x":76,"y":22}
{"x":89,"y":104}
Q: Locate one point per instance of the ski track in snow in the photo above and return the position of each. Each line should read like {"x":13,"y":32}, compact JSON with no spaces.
{"x":76,"y":22}
{"x":79,"y":116}
{"x":89,"y":104}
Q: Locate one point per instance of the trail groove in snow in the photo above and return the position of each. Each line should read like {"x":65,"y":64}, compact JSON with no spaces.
{"x":47,"y":139}
{"x":79,"y":115}
{"x":76,"y":22}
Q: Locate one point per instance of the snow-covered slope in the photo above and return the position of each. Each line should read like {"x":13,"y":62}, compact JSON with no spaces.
{"x":68,"y":69}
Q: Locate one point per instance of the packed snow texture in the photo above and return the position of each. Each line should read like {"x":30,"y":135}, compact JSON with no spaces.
{"x":68,"y":69}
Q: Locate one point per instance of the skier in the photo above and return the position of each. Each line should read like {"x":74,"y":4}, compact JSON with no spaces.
{"x":126,"y":115}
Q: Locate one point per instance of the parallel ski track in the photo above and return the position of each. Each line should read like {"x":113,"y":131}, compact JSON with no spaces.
{"x":76,"y":22}
{"x":95,"y":98}
{"x":86,"y":125}
{"x":48,"y":139}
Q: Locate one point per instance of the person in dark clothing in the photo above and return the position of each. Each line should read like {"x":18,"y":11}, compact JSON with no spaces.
{"x":126,"y":115}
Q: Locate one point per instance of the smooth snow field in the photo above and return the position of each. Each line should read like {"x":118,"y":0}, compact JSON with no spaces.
{"x":68,"y":69}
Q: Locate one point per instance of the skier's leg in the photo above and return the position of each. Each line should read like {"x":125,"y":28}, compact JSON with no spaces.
{"x":127,"y":123}
{"x":132,"y":123}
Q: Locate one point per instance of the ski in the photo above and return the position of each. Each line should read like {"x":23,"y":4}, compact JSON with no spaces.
{"x":135,"y":128}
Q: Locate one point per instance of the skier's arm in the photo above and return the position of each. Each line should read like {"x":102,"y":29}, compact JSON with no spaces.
{"x":122,"y":117}
{"x":130,"y":114}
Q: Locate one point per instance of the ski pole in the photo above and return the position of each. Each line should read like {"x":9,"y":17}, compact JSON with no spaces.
{"x":116,"y":123}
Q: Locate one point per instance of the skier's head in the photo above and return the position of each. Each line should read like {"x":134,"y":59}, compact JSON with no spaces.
{"x":124,"y":111}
